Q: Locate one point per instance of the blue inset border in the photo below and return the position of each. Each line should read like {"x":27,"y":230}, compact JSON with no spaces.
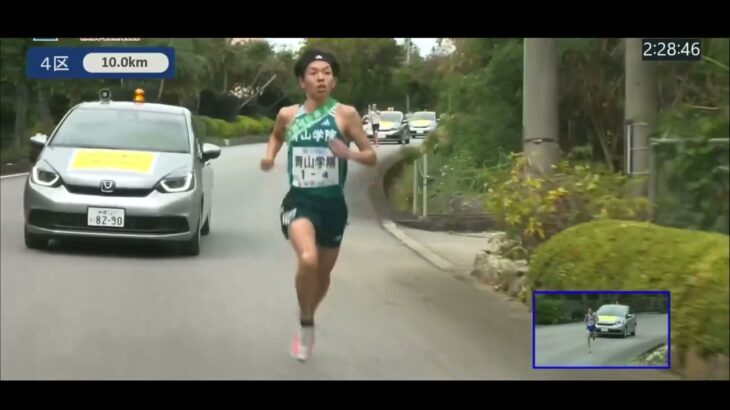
{"x":609,"y":292}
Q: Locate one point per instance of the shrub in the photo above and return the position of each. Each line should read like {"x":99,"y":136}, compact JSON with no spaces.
{"x":548,"y":310}
{"x":536,"y":208}
{"x":243,"y":126}
{"x":626,"y":255}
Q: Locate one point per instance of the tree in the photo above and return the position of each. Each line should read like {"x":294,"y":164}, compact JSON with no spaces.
{"x":13,"y":52}
{"x":591,"y":99}
{"x":482,"y":97}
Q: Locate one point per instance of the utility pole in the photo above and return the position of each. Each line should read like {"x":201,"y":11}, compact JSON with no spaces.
{"x":640,"y":114}
{"x":408,"y":64}
{"x":540,"y":104}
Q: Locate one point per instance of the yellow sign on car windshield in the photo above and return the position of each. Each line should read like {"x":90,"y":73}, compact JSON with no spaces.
{"x":386,"y":124}
{"x":607,"y":319}
{"x":421,"y":123}
{"x":113,"y":160}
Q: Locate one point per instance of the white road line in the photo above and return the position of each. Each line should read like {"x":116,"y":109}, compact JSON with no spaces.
{"x":22,"y":174}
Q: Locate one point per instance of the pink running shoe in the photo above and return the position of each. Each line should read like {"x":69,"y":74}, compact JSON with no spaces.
{"x":303,"y":343}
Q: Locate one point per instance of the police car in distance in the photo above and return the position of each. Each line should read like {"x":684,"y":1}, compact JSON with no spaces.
{"x":422,"y":123}
{"x":127,"y":169}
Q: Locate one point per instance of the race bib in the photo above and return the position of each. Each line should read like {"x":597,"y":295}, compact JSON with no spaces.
{"x":314,"y":167}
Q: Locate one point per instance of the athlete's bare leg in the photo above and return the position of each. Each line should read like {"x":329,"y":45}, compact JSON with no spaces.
{"x":589,"y":342}
{"x":327,"y":260}
{"x":302,"y":235}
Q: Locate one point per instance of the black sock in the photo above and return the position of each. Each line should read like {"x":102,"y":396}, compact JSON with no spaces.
{"x":306,"y":322}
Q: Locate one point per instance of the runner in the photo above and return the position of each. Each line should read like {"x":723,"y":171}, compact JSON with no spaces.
{"x":590,"y":320}
{"x":314,"y":212}
{"x":375,"y":122}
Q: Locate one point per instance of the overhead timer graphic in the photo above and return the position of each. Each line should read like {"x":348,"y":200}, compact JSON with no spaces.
{"x":47,"y":63}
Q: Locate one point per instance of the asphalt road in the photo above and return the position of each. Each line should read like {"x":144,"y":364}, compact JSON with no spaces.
{"x":119,"y":311}
{"x":566,"y":345}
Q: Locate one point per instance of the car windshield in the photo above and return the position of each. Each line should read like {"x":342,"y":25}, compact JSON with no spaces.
{"x":612,"y":310}
{"x":391,"y":116}
{"x":123,"y":129}
{"x":426,"y":115}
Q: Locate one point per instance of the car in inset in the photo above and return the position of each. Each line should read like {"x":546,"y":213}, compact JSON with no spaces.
{"x":121,"y":170}
{"x":616,"y":320}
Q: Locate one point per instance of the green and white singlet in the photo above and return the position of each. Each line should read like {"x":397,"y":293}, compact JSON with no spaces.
{"x":313,"y":168}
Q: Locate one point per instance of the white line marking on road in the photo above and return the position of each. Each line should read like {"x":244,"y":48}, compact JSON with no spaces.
{"x":22,"y":174}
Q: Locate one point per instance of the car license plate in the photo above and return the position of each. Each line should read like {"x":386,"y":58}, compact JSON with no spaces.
{"x":106,"y":217}
{"x":604,"y":330}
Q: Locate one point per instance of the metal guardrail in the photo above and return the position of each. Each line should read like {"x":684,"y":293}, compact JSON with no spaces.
{"x":421,"y":179}
{"x":420,"y":171}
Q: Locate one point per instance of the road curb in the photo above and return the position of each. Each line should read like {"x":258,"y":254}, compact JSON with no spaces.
{"x":417,"y":247}
{"x":383,"y":210}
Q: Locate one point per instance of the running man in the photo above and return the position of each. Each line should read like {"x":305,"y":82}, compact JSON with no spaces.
{"x":590,"y":320}
{"x":314,"y":213}
{"x":374,"y":115}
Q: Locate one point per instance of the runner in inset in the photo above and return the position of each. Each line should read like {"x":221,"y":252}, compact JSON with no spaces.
{"x":590,"y":320}
{"x":314,"y":213}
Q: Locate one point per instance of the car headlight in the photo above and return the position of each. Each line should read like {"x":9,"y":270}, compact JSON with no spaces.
{"x":45,"y":176}
{"x":179,"y":181}
{"x":619,"y":322}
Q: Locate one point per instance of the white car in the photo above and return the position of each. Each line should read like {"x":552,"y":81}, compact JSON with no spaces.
{"x":121,"y":170}
{"x":616,"y":320}
{"x":422,"y":123}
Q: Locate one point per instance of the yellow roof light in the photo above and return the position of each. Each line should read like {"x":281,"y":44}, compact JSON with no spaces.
{"x":139,"y":95}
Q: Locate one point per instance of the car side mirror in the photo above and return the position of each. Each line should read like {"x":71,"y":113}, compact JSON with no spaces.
{"x":211,"y":151}
{"x":39,"y":140}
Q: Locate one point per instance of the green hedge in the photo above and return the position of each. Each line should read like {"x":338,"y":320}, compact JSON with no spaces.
{"x":626,"y":255}
{"x":217,"y":128}
{"x":549,"y":311}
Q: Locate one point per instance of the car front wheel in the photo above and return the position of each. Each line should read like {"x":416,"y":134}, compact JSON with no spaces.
{"x":205,"y":230}
{"x":191,"y":247}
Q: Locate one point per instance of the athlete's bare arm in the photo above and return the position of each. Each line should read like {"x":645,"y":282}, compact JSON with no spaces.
{"x":283,"y":118}
{"x":351,"y":126}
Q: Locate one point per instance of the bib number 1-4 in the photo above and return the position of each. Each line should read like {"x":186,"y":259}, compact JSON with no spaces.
{"x":314,"y":167}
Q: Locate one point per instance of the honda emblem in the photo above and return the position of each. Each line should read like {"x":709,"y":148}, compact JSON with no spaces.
{"x":107,"y":186}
